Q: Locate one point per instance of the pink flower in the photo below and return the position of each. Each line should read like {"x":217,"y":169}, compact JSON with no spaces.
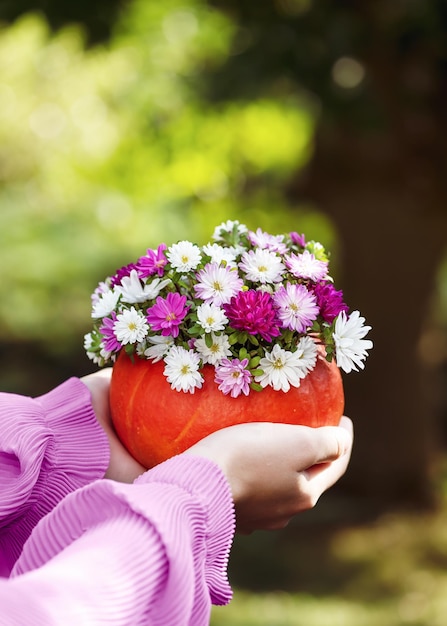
{"x":233,"y":377}
{"x":253,"y":311}
{"x":109,"y":342}
{"x":167,"y":314}
{"x":297,"y":307}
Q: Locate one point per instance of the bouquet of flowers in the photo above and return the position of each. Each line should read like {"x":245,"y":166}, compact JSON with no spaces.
{"x":257,"y":307}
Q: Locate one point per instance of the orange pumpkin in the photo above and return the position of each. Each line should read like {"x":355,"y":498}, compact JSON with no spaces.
{"x":155,"y":422}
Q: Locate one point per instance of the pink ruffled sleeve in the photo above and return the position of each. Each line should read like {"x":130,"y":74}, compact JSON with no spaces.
{"x":49,"y":446}
{"x":155,"y":552}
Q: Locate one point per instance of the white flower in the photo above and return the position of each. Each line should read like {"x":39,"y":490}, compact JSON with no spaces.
{"x":160,"y":346}
{"x":211,"y":317}
{"x":219,"y":349}
{"x":306,"y":353}
{"x":182,"y":369}
{"x":351,"y":348}
{"x":218,"y":254}
{"x":262,"y":266}
{"x":228,"y":227}
{"x":283,"y":368}
{"x":217,"y":284}
{"x":132,"y":289}
{"x":106,"y":304}
{"x":305,"y":265}
{"x":184,"y":256}
{"x":130,"y":326}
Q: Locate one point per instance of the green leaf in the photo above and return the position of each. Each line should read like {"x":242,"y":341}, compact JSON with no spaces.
{"x":208,"y":340}
{"x":243,"y":354}
{"x":254,"y":362}
{"x":252,"y":339}
{"x":256,"y":387}
{"x":257,"y":372}
{"x":233,"y":338}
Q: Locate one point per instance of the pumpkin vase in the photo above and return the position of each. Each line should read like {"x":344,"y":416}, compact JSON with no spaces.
{"x":155,"y":422}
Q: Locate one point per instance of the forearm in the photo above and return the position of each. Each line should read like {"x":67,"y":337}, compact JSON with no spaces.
{"x":159,"y":547}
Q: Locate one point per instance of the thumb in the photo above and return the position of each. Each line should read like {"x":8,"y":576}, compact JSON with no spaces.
{"x":332,"y":442}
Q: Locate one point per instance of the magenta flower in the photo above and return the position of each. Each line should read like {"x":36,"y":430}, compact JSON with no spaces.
{"x":299,"y":240}
{"x":233,"y":377}
{"x":109,"y":342}
{"x":253,"y":311}
{"x":330,"y":301}
{"x":121,"y":273}
{"x":167,"y":314}
{"x":153,"y":262}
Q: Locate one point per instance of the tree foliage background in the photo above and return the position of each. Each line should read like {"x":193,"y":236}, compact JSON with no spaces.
{"x":124,"y":124}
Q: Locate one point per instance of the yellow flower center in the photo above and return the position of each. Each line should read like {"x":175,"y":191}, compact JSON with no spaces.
{"x":278,"y":364}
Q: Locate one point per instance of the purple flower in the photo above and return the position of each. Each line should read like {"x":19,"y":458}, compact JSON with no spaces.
{"x":167,"y":314}
{"x":233,"y":377}
{"x":253,"y":311}
{"x":299,"y":240}
{"x":110,"y":342}
{"x":329,"y":300}
{"x":121,"y":273}
{"x":153,"y":262}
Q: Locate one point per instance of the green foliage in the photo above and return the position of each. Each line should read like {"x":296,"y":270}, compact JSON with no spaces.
{"x":390,"y":571}
{"x":108,"y":150}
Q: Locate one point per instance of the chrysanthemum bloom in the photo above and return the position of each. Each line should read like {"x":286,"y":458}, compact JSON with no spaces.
{"x":305,"y":265}
{"x":132,"y":290}
{"x":160,"y":346}
{"x":283,"y":368}
{"x":297,"y":307}
{"x":105,"y":304}
{"x":182,"y":369}
{"x":218,"y":254}
{"x":261,"y":239}
{"x":297,"y":239}
{"x":233,"y":377}
{"x":153,"y":262}
{"x":218,"y":350}
{"x":228,"y":227}
{"x":253,"y":311}
{"x":216,"y":284}
{"x":184,"y":256}
{"x":351,"y":348}
{"x":262,"y":266}
{"x":130,"y":326}
{"x":121,"y":273}
{"x":329,"y":300}
{"x":211,"y":317}
{"x":167,"y":314}
{"x":109,"y":342}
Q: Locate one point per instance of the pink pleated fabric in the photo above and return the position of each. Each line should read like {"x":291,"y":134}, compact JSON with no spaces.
{"x":49,"y":446}
{"x":155,"y":552}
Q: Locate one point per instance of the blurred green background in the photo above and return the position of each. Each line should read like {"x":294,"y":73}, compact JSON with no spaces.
{"x":127,"y":123}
